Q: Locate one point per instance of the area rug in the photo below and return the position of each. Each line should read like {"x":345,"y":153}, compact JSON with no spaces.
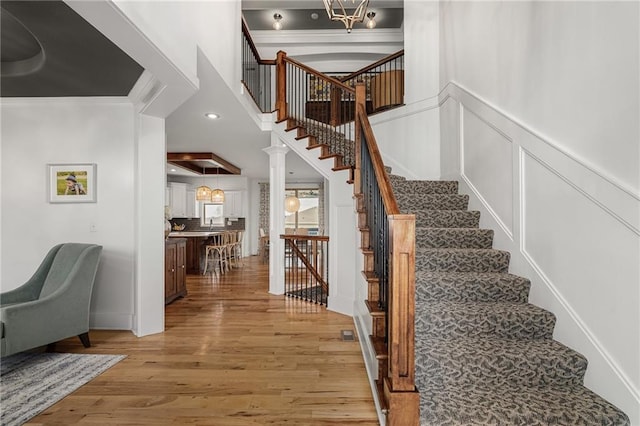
{"x":32,"y":382}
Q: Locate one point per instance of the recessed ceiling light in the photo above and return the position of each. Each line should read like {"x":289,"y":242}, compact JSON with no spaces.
{"x":212,"y":115}
{"x":172,"y":170}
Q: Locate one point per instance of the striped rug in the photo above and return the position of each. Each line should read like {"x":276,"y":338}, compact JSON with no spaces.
{"x":32,"y":382}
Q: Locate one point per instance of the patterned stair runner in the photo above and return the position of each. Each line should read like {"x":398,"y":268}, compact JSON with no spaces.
{"x":483,"y":354}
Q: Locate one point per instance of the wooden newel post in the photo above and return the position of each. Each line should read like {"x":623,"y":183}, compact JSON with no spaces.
{"x":399,"y":387}
{"x":335,"y":105}
{"x":281,"y":85}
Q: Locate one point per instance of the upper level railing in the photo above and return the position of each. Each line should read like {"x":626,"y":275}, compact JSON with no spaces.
{"x":383,"y":81}
{"x":322,"y":105}
{"x":256,"y":73}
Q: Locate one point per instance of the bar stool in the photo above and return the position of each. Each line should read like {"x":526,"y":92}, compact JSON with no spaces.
{"x":236,"y":249}
{"x":215,"y":252}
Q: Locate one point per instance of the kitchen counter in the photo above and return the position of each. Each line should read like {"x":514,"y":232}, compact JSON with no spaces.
{"x":196,"y":241}
{"x":187,"y":234}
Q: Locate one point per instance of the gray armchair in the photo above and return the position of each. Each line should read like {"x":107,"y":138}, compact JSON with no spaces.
{"x":54,"y":304}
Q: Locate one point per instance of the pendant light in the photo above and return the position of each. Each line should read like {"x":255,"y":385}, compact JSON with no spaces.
{"x":292,"y":204}
{"x":337,"y":11}
{"x":217,"y":195}
{"x":203,"y":192}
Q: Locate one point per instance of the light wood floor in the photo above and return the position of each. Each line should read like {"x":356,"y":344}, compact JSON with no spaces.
{"x":231,"y":355}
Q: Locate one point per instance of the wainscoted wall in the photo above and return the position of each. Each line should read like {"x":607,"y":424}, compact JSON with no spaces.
{"x":571,"y":230}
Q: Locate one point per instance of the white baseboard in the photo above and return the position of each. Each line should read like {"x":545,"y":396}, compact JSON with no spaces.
{"x":111,"y":321}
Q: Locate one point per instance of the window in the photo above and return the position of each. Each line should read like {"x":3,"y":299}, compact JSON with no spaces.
{"x":307,"y":215}
{"x":212,"y":215}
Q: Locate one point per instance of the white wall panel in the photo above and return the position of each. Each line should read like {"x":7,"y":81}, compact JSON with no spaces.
{"x":486,"y":164}
{"x":87,"y":130}
{"x":587,"y":255}
{"x":576,"y":235}
{"x":567,"y":68}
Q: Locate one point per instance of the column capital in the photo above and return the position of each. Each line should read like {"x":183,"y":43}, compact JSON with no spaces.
{"x":276,"y":149}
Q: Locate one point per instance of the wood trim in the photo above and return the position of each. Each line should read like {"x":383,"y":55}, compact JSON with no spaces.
{"x":384,"y":184}
{"x":402,"y":302}
{"x":281,"y":86}
{"x":311,"y":268}
{"x":252,"y":46}
{"x":304,"y":237}
{"x":187,"y":159}
{"x":320,"y":75}
{"x":403,"y":407}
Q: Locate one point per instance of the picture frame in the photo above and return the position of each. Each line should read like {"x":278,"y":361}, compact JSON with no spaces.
{"x":72,"y":183}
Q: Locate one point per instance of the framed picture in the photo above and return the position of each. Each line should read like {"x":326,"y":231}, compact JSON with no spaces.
{"x":72,"y":183}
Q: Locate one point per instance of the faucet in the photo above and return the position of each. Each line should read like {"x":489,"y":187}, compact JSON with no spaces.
{"x":210,"y":224}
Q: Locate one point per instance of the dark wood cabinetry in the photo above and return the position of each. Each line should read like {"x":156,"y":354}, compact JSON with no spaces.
{"x":194,"y":250}
{"x":175,"y":276}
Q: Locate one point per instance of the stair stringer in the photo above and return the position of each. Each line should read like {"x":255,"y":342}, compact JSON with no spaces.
{"x":341,"y":227}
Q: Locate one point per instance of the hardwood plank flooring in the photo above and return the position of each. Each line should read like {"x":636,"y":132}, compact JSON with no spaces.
{"x":231,"y":355}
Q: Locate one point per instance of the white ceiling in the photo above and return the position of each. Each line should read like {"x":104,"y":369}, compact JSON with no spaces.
{"x":235,"y":136}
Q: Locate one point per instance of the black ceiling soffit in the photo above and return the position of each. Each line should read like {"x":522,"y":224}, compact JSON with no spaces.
{"x":48,"y":50}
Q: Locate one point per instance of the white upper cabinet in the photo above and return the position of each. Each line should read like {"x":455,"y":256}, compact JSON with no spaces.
{"x":233,"y":204}
{"x":178,"y":199}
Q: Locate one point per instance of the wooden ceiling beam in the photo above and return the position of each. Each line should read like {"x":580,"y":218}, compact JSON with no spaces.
{"x":181,"y":159}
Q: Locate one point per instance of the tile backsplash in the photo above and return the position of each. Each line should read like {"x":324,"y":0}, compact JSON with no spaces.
{"x":230,"y":224}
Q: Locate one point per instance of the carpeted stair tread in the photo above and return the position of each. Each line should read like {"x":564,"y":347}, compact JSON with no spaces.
{"x":507,"y":320}
{"x":445,"y":218}
{"x":454,"y":238}
{"x":409,"y":202}
{"x":516,"y":405}
{"x":483,"y":355}
{"x":420,"y":187}
{"x":337,"y":142}
{"x":497,"y":362}
{"x":470,"y":287}
{"x":462,"y":260}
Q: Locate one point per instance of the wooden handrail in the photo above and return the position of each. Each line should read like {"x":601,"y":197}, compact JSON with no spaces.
{"x":386,"y":191}
{"x":252,"y":46}
{"x":305,"y":261}
{"x":304,"y":237}
{"x":320,"y":75}
{"x":374,"y":65}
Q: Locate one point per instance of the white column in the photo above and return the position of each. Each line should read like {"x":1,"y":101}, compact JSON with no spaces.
{"x":277,"y":152}
{"x":149,"y":270}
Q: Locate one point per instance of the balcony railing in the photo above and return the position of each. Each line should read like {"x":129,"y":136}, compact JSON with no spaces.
{"x":256,"y":73}
{"x":306,"y":268}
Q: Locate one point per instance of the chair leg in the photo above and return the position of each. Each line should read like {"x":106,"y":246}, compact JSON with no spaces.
{"x":84,"y":338}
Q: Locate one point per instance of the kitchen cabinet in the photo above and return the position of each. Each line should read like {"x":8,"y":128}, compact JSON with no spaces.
{"x":233,"y":204}
{"x":175,"y":262}
{"x":193,"y":205}
{"x":178,"y":193}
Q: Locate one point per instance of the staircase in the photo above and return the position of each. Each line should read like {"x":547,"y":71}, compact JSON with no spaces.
{"x":483,"y":354}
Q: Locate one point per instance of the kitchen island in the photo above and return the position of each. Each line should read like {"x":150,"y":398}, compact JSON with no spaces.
{"x":196,"y":240}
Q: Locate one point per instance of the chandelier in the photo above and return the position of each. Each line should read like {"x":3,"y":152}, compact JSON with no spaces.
{"x":338,"y":12}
